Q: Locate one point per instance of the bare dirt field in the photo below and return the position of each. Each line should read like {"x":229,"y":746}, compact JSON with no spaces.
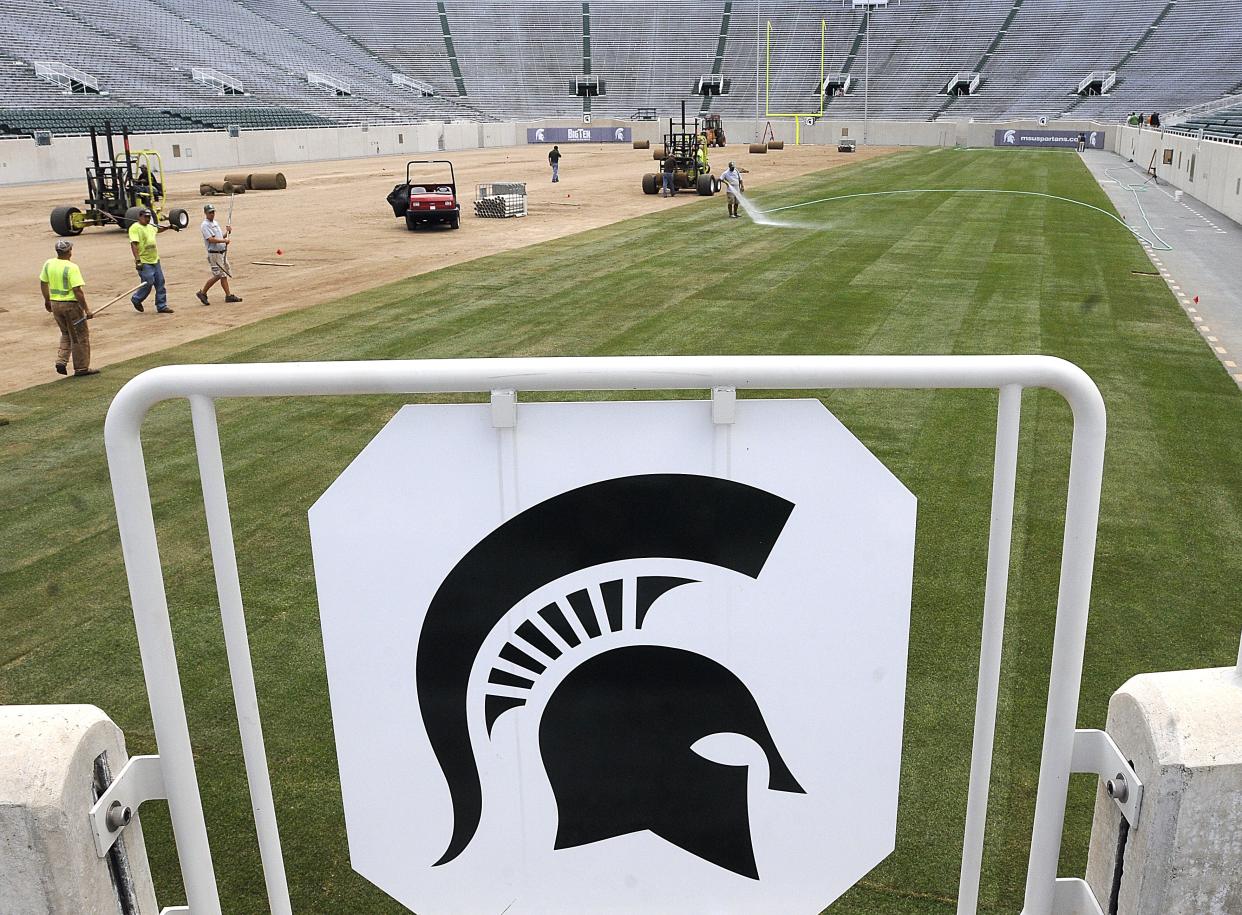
{"x":337,"y":234}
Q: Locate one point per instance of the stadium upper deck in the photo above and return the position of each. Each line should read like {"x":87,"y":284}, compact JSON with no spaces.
{"x":484,"y":59}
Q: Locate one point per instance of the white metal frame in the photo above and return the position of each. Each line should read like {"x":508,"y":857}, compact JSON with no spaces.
{"x":424,"y":89}
{"x":1065,"y":750}
{"x":969,"y":77}
{"x":324,"y":81}
{"x":228,"y":85}
{"x":64,"y":75}
{"x":843,"y":81}
{"x":1106,"y":78}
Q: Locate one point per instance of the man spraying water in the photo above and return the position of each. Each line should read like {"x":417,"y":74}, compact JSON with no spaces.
{"x":731,"y":178}
{"x":735,"y":190}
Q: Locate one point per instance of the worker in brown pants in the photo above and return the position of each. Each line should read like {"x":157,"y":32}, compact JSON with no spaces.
{"x":64,"y":295}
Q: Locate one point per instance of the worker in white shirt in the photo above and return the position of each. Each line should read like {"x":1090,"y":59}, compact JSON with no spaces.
{"x":731,"y":178}
{"x":216,"y":238}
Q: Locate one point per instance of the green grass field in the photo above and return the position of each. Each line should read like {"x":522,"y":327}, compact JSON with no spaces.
{"x":917,"y":274}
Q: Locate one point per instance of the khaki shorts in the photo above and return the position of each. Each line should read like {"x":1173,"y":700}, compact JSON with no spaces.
{"x":219,"y":269}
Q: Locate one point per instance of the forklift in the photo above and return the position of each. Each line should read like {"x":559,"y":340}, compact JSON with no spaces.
{"x":688,"y":146}
{"x":118,"y":188}
{"x":713,"y":126}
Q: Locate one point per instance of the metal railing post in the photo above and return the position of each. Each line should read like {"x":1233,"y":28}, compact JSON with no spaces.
{"x":237,"y":647}
{"x":155,"y":644}
{"x":1069,"y":641}
{"x":1000,"y":536}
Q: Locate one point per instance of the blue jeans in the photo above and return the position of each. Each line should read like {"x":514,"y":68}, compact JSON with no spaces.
{"x":556,"y":167}
{"x":668,"y":181}
{"x":152,"y":276}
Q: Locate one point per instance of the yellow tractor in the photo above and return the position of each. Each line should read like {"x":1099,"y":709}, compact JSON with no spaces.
{"x":714,"y":128}
{"x":688,"y":147}
{"x":118,"y":188}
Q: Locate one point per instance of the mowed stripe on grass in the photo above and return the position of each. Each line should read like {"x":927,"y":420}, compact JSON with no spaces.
{"x":909,"y":274}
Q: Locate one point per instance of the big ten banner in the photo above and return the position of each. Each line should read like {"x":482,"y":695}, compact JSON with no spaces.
{"x":616,"y":658}
{"x":578,"y":135}
{"x":1054,"y":139}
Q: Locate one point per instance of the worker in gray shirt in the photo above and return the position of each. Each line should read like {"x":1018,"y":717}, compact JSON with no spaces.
{"x":216,"y":238}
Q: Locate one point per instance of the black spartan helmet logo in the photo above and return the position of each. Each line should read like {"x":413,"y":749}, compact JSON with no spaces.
{"x":616,"y":733}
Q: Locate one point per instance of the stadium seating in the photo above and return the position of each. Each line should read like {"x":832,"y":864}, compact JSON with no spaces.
{"x":653,"y":61}
{"x":486,"y":59}
{"x":27,"y":121}
{"x":70,"y":122}
{"x":1193,"y":56}
{"x":1048,"y":47}
{"x":267,"y":45}
{"x":1225,"y":123}
{"x":522,"y":56}
{"x":407,"y":34}
{"x":247,"y":118}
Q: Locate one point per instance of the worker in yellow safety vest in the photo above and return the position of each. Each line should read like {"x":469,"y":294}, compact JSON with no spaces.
{"x":64,"y":296}
{"x":701,"y":155}
{"x":147,"y":262}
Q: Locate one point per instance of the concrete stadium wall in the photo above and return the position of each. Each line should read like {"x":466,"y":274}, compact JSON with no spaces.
{"x":827,"y":131}
{"x":22,"y":162}
{"x":824,"y":132}
{"x":1217,"y":167}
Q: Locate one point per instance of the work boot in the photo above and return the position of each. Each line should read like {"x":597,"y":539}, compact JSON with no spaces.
{"x":137,"y":305}
{"x":60,"y":369}
{"x":86,"y":372}
{"x":164,"y":311}
{"x":202,"y":297}
{"x":232,"y":298}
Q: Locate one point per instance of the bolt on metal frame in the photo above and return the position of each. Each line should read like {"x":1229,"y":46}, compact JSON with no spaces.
{"x":1065,"y":749}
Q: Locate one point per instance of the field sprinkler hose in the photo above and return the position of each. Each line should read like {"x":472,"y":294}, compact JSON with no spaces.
{"x":1135,"y":189}
{"x":1156,"y":243}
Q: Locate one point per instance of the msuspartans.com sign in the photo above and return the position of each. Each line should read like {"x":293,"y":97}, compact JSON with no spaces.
{"x":1050,"y":139}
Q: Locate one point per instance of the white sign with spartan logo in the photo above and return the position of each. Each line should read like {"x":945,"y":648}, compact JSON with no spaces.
{"x":618,"y":658}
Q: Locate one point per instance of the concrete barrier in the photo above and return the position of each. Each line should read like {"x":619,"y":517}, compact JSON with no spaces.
{"x":1183,"y":733}
{"x":1205,"y":169}
{"x":48,"y":861}
{"x":21,"y":161}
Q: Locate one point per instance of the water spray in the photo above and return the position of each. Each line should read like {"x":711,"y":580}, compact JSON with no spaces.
{"x":759,"y":217}
{"x":764,"y":218}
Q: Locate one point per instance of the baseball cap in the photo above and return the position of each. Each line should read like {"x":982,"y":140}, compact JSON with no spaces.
{"x":64,"y":245}
{"x":209,"y":208}
{"x":144,"y":212}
